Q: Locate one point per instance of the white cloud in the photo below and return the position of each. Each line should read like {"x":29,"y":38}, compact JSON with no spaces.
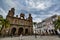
{"x":32,"y":6}
{"x":57,"y":13}
{"x":37,"y":20}
{"x":39,"y":4}
{"x":16,"y":4}
{"x":10,"y":3}
{"x":34,"y":15}
{"x":3,"y":13}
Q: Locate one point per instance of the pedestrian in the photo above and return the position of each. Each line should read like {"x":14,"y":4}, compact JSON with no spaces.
{"x":20,"y":37}
{"x":11,"y":35}
{"x":35,"y":35}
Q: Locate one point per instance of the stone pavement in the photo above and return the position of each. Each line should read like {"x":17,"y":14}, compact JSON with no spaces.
{"x":32,"y":38}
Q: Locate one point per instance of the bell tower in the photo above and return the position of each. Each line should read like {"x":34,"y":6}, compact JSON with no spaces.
{"x":30,"y":18}
{"x":22,"y":16}
{"x":11,"y":12}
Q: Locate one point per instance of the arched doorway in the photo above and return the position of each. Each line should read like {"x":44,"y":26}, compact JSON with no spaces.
{"x":13,"y":31}
{"x":20,"y":31}
{"x":26,"y":31}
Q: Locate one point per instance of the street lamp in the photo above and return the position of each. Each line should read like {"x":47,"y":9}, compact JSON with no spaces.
{"x":35,"y":31}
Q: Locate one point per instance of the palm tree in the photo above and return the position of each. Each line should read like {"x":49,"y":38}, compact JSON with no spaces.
{"x":1,"y":20}
{"x":57,"y":25}
{"x":5,"y":25}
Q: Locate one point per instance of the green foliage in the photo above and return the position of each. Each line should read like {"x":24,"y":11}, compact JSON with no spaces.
{"x":1,"y":19}
{"x":57,"y":24}
{"x":4,"y":22}
{"x":34,"y":23}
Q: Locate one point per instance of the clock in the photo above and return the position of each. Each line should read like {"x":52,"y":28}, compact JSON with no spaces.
{"x":21,"y":17}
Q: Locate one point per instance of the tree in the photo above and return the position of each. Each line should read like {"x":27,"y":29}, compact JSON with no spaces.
{"x":6,"y":23}
{"x":34,"y":23}
{"x":1,"y":19}
{"x":5,"y":27}
{"x":57,"y":24}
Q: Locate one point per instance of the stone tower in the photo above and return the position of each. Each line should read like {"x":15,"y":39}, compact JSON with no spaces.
{"x":30,"y":18}
{"x":11,"y":12}
{"x":22,"y":16}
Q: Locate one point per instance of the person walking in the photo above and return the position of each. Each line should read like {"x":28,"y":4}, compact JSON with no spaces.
{"x":20,"y":38}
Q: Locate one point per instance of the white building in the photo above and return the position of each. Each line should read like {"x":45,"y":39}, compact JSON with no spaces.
{"x":47,"y":26}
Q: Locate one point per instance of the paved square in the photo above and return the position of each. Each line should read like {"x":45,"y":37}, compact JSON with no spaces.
{"x":32,"y":38}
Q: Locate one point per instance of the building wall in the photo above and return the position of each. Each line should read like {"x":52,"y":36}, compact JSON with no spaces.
{"x":19,"y":22}
{"x":47,"y":24}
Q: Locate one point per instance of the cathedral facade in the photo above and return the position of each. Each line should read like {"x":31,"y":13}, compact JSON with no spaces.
{"x":19,"y":25}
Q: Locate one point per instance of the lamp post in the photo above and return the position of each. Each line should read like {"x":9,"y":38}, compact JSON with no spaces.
{"x":35,"y":31}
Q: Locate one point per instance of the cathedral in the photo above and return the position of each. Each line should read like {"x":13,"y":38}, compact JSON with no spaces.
{"x":19,"y":25}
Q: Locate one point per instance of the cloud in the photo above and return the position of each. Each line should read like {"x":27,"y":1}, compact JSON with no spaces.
{"x":37,"y":20}
{"x":10,"y":3}
{"x":40,"y":9}
{"x":3,"y":13}
{"x":39,"y":4}
{"x":57,"y":13}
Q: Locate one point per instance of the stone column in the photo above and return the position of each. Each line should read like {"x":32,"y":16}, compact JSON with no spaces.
{"x":31,"y":30}
{"x":23,"y":31}
{"x":10,"y":29}
{"x":16,"y":31}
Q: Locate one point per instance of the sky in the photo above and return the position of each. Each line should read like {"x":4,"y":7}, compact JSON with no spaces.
{"x":40,"y":9}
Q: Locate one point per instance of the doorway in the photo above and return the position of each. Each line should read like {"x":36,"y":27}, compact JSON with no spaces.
{"x":26,"y":31}
{"x":20,"y":31}
{"x":13,"y":31}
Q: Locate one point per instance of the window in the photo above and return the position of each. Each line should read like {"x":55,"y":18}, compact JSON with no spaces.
{"x":21,"y":22}
{"x":15,"y":21}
